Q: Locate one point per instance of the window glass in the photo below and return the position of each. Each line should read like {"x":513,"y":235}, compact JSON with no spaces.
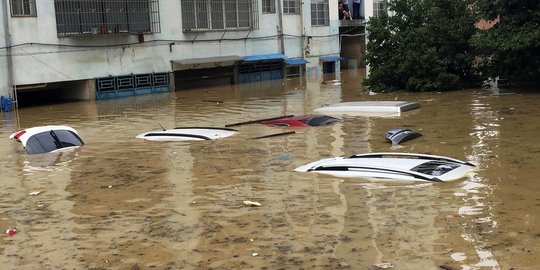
{"x":68,"y":138}
{"x":378,"y":7}
{"x":208,"y":15}
{"x":322,"y":121}
{"x":83,"y":17}
{"x":23,"y":8}
{"x":435,"y":168}
{"x":41,"y":143}
{"x":269,"y":6}
{"x":291,"y":7}
{"x":319,"y":13}
{"x":47,"y":141}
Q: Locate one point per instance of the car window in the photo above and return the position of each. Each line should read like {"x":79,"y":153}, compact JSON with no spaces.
{"x":435,"y":168}
{"x":48,"y":141}
{"x":322,"y":121}
{"x":68,"y":138}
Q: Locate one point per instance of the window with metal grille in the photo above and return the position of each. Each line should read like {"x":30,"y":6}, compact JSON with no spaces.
{"x":131,"y":81}
{"x":319,"y":13}
{"x":83,"y":17}
{"x":293,"y":71}
{"x":379,"y":7}
{"x":255,"y":67}
{"x":215,"y":15}
{"x":291,"y":6}
{"x":269,"y":6}
{"x":23,"y":8}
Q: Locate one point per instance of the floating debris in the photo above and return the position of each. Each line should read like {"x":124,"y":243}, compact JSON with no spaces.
{"x":332,"y":82}
{"x":34,"y":193}
{"x":11,"y":232}
{"x":254,"y":254}
{"x":250,"y":203}
{"x":213,"y":101}
{"x":398,"y":135}
{"x":384,"y":265}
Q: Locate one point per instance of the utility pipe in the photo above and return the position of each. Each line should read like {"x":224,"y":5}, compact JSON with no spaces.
{"x":302,"y":30}
{"x":280,"y":14}
{"x":7,"y":37}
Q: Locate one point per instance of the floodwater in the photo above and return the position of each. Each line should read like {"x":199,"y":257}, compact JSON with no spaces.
{"x":123,"y":203}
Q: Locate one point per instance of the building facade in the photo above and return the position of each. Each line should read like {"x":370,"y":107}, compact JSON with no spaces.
{"x":85,"y":49}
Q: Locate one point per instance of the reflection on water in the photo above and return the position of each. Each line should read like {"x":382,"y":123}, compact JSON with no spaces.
{"x":119,"y":201}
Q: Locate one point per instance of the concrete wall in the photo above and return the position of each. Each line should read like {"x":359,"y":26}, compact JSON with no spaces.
{"x":324,"y":41}
{"x":368,"y":10}
{"x":37,"y":58}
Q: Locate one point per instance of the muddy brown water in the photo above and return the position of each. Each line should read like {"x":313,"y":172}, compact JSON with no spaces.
{"x":119,"y":201}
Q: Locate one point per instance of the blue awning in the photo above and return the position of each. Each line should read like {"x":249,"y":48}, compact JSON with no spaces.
{"x":296,"y":61}
{"x":333,"y":58}
{"x":262,"y":57}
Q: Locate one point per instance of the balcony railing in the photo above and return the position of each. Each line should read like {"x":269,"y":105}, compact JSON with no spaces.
{"x":345,"y":23}
{"x":103,"y":17}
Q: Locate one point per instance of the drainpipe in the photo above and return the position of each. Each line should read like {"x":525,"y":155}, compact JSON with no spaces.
{"x":7,"y":36}
{"x":280,"y":32}
{"x":302,"y":37}
{"x":302,"y":30}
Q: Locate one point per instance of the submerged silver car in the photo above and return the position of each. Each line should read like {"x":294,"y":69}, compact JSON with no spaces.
{"x":392,"y":166}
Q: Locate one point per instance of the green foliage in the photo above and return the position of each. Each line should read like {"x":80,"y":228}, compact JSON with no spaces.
{"x":511,"y":49}
{"x":423,"y":46}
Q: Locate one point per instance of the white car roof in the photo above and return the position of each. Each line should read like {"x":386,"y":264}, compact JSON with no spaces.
{"x":187,"y":134}
{"x":392,"y":166}
{"x":29,"y":132}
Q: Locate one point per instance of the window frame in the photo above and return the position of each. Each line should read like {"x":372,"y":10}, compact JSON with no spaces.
{"x":316,"y":10}
{"x":289,"y":9}
{"x":215,"y":15}
{"x":104,"y":17}
{"x":379,"y":7}
{"x":268,"y":6}
{"x":26,"y":8}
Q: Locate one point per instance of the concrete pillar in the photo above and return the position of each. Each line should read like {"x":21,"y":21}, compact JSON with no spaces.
{"x":79,"y":90}
{"x":5,"y":72}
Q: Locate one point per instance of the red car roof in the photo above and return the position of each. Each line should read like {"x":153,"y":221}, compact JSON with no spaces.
{"x":302,"y":121}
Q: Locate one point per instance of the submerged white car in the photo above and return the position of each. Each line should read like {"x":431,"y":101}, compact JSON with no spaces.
{"x":393,"y":166}
{"x":187,"y":134}
{"x":44,"y":139}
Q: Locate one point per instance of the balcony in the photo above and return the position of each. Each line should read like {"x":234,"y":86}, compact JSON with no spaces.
{"x":348,"y":23}
{"x":106,"y":17}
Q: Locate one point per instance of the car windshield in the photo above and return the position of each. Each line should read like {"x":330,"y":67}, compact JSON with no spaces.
{"x":48,"y":141}
{"x":320,"y":121}
{"x":435,"y":168}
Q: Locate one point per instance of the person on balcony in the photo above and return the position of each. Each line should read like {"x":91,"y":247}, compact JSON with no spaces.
{"x":344,"y":13}
{"x":357,"y":10}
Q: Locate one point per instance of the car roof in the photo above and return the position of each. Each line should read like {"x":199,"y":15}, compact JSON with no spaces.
{"x":29,"y":132}
{"x":187,"y":134}
{"x":392,"y":165}
{"x":298,"y":120}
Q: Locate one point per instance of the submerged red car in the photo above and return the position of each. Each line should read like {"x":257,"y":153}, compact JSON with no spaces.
{"x":302,"y":121}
